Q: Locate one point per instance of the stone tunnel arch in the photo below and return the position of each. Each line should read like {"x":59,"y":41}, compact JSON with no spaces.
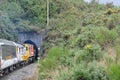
{"x":35,"y":47}
{"x":32,"y":37}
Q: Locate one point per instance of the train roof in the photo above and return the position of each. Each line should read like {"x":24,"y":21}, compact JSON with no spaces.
{"x":7,"y":42}
{"x":19,"y":45}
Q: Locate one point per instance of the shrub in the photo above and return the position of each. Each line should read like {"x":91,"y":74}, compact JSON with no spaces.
{"x":80,"y":72}
{"x":92,"y":52}
{"x":83,"y":71}
{"x":66,"y":61}
{"x":65,"y":76}
{"x":105,"y":37}
{"x":92,"y":71}
{"x":110,"y":11}
{"x":78,"y":56}
{"x":97,"y":72}
{"x":85,"y":37}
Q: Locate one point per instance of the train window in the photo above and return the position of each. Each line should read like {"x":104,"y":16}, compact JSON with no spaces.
{"x":8,"y":51}
{"x":26,"y":48}
{"x":0,"y":51}
{"x":22,"y":50}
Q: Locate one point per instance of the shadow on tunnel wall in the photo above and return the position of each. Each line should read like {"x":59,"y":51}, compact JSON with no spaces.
{"x":37,"y":38}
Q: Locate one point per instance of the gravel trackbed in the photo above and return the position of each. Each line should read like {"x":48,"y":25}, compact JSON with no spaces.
{"x":24,"y":73}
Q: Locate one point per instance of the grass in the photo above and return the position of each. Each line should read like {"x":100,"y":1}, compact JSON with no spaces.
{"x":114,"y":72}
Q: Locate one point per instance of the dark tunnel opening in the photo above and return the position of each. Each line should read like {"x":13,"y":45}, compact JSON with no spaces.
{"x":35,"y":47}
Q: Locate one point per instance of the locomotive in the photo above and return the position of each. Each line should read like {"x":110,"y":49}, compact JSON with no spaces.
{"x":14,"y":55}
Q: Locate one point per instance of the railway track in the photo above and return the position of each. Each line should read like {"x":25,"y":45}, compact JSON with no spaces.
{"x":23,"y":73}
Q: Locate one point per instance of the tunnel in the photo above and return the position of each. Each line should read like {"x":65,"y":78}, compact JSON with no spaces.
{"x":35,"y":47}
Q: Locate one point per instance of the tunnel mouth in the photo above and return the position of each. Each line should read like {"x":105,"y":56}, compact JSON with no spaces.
{"x":35,"y":47}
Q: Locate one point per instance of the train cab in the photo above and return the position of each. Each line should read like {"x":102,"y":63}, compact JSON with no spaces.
{"x":29,"y":52}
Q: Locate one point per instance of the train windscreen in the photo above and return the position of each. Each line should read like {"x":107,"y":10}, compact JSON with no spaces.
{"x":0,"y":51}
{"x":8,"y":52}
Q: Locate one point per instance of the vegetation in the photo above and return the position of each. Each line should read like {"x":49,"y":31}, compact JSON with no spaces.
{"x":90,"y":34}
{"x":21,"y":15}
{"x":114,"y":72}
{"x":82,"y":42}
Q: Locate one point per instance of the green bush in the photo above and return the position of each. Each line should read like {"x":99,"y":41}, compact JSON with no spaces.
{"x":66,"y":61}
{"x":78,"y":58}
{"x":97,"y":72}
{"x":80,"y":72}
{"x":92,"y":52}
{"x":85,"y":37}
{"x":92,"y":71}
{"x":83,"y":71}
{"x":105,"y":37}
{"x":65,"y":75}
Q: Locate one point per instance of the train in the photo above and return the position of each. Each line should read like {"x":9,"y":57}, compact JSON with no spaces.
{"x":13,"y":55}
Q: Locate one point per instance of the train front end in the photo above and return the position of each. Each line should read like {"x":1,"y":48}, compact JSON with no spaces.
{"x":30,"y":52}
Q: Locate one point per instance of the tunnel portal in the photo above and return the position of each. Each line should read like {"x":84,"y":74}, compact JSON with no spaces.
{"x":32,"y":38}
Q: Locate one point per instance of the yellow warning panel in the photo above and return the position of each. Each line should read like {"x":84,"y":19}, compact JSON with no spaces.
{"x":27,"y":53}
